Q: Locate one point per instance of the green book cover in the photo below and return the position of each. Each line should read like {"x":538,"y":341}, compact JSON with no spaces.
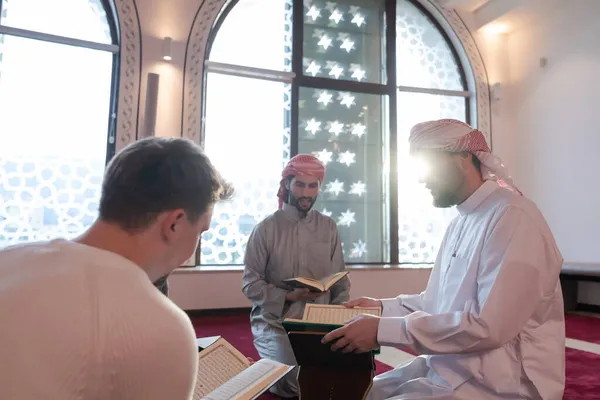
{"x":295,"y":325}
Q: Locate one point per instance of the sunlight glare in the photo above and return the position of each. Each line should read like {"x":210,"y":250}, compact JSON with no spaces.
{"x":419,"y":168}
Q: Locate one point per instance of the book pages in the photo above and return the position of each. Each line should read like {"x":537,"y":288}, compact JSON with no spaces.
{"x":330,"y":280}
{"x":251,"y":382}
{"x":334,"y":314}
{"x":217,"y":364}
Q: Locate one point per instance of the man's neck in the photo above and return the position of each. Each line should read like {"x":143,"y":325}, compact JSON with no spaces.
{"x":293,"y":210}
{"x":470,"y":187}
{"x":109,"y":237}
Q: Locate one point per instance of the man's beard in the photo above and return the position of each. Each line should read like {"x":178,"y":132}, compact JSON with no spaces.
{"x":447,"y":194}
{"x":445,"y":200}
{"x":295,"y":201}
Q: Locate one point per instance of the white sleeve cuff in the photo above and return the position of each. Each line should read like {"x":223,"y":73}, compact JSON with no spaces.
{"x":392,"y":308}
{"x":391,"y":331}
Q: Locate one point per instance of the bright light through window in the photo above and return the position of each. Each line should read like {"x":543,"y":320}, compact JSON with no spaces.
{"x":248,"y":122}
{"x":54,"y":115}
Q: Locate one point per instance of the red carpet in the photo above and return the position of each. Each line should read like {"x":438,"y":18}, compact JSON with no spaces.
{"x":583,"y":328}
{"x":582,"y":368}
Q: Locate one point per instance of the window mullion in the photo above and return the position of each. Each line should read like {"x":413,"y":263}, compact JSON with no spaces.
{"x":442,"y":92}
{"x":46,"y":37}
{"x":297,"y":68}
{"x":393,"y":221}
{"x":249,"y":72}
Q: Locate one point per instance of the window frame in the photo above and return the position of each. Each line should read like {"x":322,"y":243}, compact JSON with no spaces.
{"x":125,"y":46}
{"x":297,"y":79}
{"x":114,"y":48}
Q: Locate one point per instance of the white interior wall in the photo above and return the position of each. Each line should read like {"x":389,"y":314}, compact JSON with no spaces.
{"x":556,"y":132}
{"x":198,"y":290}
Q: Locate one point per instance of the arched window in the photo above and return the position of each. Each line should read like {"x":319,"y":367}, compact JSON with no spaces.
{"x":57,"y":84}
{"x":345,"y":81}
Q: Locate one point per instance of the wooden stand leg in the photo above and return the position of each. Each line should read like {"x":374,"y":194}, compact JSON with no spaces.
{"x":322,"y":383}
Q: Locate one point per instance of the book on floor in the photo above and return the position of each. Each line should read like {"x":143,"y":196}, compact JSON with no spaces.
{"x":226,"y":374}
{"x":316,"y":285}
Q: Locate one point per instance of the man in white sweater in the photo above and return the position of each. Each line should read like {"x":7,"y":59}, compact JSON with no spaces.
{"x":81,"y":319}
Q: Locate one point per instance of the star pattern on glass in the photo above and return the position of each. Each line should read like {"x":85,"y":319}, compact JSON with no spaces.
{"x":357,"y":18}
{"x":325,"y":42}
{"x":325,"y":156}
{"x":336,"y":71}
{"x":313,"y":68}
{"x":336,"y":187}
{"x":347,"y":218}
{"x":325,"y":98}
{"x":347,"y":158}
{"x":318,"y":33}
{"x":336,"y":16}
{"x":358,"y":129}
{"x":358,"y":188}
{"x":346,"y":43}
{"x":358,"y":249}
{"x":346,"y":99}
{"x":314,"y":13}
{"x":336,"y":127}
{"x":313,"y":126}
{"x":357,"y":72}
{"x":326,"y":212}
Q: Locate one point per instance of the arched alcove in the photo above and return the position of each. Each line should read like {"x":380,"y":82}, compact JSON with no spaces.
{"x":255,"y":95}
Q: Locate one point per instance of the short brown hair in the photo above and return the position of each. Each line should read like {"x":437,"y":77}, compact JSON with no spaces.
{"x":154,"y":175}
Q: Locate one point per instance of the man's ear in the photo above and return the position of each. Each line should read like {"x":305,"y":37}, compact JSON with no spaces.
{"x":171,"y":223}
{"x":287,"y":184}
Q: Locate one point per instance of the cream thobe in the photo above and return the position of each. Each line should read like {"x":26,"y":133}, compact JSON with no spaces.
{"x":490,"y":323}
{"x":283,"y":246}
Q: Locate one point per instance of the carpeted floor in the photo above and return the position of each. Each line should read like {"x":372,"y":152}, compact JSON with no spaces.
{"x":582,"y":353}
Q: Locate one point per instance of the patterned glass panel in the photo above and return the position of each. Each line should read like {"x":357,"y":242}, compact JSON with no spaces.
{"x":421,"y":225}
{"x":345,"y":131}
{"x":341,"y":38}
{"x":256,"y":33}
{"x":53,"y":130}
{"x":423,"y":56}
{"x":77,"y":19}
{"x":247,"y":138}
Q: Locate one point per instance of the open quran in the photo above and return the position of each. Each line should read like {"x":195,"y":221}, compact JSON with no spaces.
{"x":333,"y":315}
{"x":226,"y":374}
{"x":324,"y":318}
{"x":316,"y":285}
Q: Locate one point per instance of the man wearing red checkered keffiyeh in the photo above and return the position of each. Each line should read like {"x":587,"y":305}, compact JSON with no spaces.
{"x":441,"y":144}
{"x":490,"y":323}
{"x":296,"y":241}
{"x":310,"y":173}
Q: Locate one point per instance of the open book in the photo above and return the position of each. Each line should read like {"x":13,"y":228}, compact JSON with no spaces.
{"x":316,"y":285}
{"x":225,"y":374}
{"x":334,"y":315}
{"x":324,"y":318}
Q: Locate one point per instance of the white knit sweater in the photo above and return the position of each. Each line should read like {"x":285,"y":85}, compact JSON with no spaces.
{"x":77,"y":322}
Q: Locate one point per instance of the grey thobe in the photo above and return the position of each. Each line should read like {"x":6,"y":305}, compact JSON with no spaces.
{"x":283,"y":246}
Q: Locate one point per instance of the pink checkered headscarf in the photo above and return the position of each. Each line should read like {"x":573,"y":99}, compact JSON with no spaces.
{"x":455,"y":136}
{"x":300,"y":165}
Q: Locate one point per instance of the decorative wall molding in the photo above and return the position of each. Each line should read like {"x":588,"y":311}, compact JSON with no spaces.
{"x":129,"y":73}
{"x":205,"y":19}
{"x":479,"y":81}
{"x":193,"y":72}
